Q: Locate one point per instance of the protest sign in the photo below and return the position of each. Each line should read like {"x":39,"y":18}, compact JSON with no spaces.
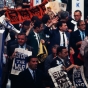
{"x":59,"y":77}
{"x":19,"y":16}
{"x":1,"y":53}
{"x":56,"y":6}
{"x":20,"y":61}
{"x":63,"y":6}
{"x":79,"y":79}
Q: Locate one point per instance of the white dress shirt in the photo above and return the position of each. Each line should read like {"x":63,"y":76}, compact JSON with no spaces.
{"x":31,"y":71}
{"x":37,"y":37}
{"x":61,"y":39}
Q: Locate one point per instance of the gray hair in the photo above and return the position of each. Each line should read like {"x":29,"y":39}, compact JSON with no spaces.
{"x":64,"y":14}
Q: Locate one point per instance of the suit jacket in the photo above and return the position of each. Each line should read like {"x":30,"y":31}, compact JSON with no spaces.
{"x":32,"y":41}
{"x":26,"y":79}
{"x":54,"y":37}
{"x":76,"y":37}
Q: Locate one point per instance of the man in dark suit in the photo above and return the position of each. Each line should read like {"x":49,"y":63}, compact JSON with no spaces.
{"x":77,"y":37}
{"x":59,"y":36}
{"x":31,"y":77}
{"x":21,"y":38}
{"x":34,"y":37}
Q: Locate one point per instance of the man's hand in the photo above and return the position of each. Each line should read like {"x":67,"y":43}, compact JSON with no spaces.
{"x":79,"y":43}
{"x":42,"y":41}
{"x":76,"y":66}
{"x":13,"y":55}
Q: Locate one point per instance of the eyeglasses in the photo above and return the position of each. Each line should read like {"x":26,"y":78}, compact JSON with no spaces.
{"x":76,"y":15}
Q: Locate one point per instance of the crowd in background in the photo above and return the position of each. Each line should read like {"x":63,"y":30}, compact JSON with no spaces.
{"x":65,"y":40}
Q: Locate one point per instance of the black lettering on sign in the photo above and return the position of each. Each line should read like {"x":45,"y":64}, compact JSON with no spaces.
{"x":24,"y":14}
{"x":61,"y":80}
{"x":13,"y":15}
{"x":43,"y":8}
{"x":36,"y":11}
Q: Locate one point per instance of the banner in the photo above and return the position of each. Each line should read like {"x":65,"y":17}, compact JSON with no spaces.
{"x":1,"y":53}
{"x":18,"y":16}
{"x":20,"y":61}
{"x":79,"y":79}
{"x":59,"y":77}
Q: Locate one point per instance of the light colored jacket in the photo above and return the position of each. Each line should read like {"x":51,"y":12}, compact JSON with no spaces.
{"x":83,"y":45}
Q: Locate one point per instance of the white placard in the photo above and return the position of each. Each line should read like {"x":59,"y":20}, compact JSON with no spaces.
{"x":78,"y":5}
{"x":59,"y":77}
{"x":20,"y":61}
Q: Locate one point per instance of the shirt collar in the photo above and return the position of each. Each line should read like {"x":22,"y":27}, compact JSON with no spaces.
{"x":24,"y":46}
{"x":30,"y":70}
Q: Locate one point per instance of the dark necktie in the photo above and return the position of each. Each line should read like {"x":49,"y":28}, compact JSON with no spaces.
{"x":21,"y":46}
{"x":63,"y":40}
{"x":34,"y":75}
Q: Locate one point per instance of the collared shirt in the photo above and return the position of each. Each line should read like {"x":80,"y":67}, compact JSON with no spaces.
{"x":24,"y":46}
{"x":82,"y":34}
{"x":61,"y":39}
{"x":37,"y":37}
{"x":31,"y":71}
{"x":60,"y":62}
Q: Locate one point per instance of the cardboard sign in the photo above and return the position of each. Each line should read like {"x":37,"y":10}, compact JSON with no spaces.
{"x":19,"y":16}
{"x":59,"y":77}
{"x":56,"y":6}
{"x":79,"y":79}
{"x":20,"y":62}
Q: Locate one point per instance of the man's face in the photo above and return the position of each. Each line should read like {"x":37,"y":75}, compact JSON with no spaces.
{"x":40,"y":28}
{"x":82,"y":25}
{"x":63,"y":27}
{"x":33,"y":63}
{"x":64,"y":53}
{"x":21,"y":39}
{"x":54,"y":50}
{"x":25,"y":27}
{"x":77,"y":16}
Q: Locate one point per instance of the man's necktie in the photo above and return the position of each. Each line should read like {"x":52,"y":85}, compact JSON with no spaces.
{"x":34,"y":75}
{"x":21,"y":46}
{"x":63,"y":40}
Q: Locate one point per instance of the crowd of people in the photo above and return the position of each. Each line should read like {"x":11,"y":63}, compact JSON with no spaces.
{"x":64,"y":41}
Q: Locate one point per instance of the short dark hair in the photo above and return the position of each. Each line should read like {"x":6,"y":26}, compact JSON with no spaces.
{"x":78,"y":23}
{"x":30,"y":57}
{"x":26,"y":22}
{"x":37,"y":23}
{"x":78,"y":11}
{"x":55,"y":46}
{"x":22,"y":34}
{"x":60,"y":48}
{"x":45,"y":18}
{"x":34,"y":18}
{"x":60,"y":23}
